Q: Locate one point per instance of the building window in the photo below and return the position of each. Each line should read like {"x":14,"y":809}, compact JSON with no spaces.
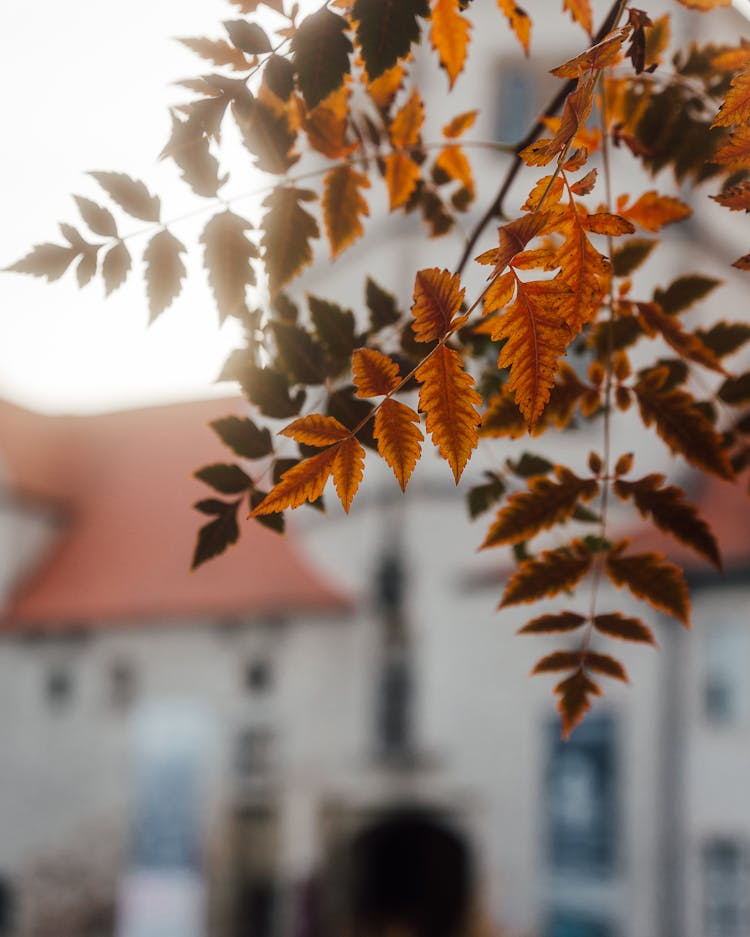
{"x":580,"y":800}
{"x":572,"y":924}
{"x":254,"y":752}
{"x":725,"y":690}
{"x":58,"y":688}
{"x":726,"y":888}
{"x":122,"y":684}
{"x":258,"y":676}
{"x":518,"y":100}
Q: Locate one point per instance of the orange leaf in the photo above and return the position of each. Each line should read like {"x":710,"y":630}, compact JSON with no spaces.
{"x":617,"y":625}
{"x":399,"y":440}
{"x":513,"y":238}
{"x":536,"y":338}
{"x":545,"y":504}
{"x":326,"y":124}
{"x":549,"y":188}
{"x":374,"y":373}
{"x":580,"y":11}
{"x":583,"y":269}
{"x":450,"y":36}
{"x":518,"y":20}
{"x":384,"y":89}
{"x":683,"y":427}
{"x":575,"y":113}
{"x":405,"y":127}
{"x":315,"y":430}
{"x":547,"y":574}
{"x":573,"y":702}
{"x":459,"y":124}
{"x":653,"y":211}
{"x":672,"y":513}
{"x":735,"y":198}
{"x":743,"y":263}
{"x":735,"y":152}
{"x":687,"y":344}
{"x":704,"y":5}
{"x":649,"y":576}
{"x":448,"y":398}
{"x":736,"y":106}
{"x":502,"y":417}
{"x":586,"y":184}
{"x":454,"y":163}
{"x":305,"y":481}
{"x":437,"y":300}
{"x":599,"y":56}
{"x":343,"y":206}
{"x":401,"y":177}
{"x":348,"y":468}
{"x":605,"y":223}
{"x":553,"y":624}
{"x":500,"y":292}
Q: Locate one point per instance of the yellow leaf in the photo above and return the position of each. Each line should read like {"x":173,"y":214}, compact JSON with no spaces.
{"x":437,"y":299}
{"x":399,"y":439}
{"x":606,"y":223}
{"x":326,"y":124}
{"x":405,"y":127}
{"x":315,"y":430}
{"x":374,"y":373}
{"x":653,"y":211}
{"x":459,"y":124}
{"x":449,"y":400}
{"x":348,"y":468}
{"x":513,"y":238}
{"x":580,"y":11}
{"x":401,"y":177}
{"x":575,"y":112}
{"x":384,"y":89}
{"x":343,"y":206}
{"x":303,"y":482}
{"x":500,"y":293}
{"x":450,"y":36}
{"x":735,"y":152}
{"x":454,"y":163}
{"x":518,"y":20}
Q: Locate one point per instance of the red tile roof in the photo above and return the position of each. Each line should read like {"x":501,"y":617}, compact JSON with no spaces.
{"x":125,"y":483}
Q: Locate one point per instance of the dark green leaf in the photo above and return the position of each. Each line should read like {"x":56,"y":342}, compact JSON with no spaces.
{"x":321,"y":55}
{"x":725,"y":338}
{"x":736,"y":390}
{"x":481,"y":498}
{"x":269,"y":391}
{"x":334,"y":328}
{"x":265,"y":132}
{"x":631,"y":255}
{"x":287,"y":232}
{"x":226,"y":478}
{"x":130,"y":194}
{"x":298,"y":354}
{"x":278,"y":76}
{"x":272,"y":521}
{"x":529,"y":465}
{"x":683,"y":292}
{"x":386,"y":29}
{"x":243,"y":437}
{"x":350,"y":410}
{"x":382,"y":306}
{"x":283,"y":465}
{"x":217,"y":535}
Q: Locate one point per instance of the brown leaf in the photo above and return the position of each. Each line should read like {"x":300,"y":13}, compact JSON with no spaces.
{"x":605,"y":223}
{"x":546,"y":575}
{"x":164,"y":272}
{"x":573,"y":703}
{"x":604,"y":664}
{"x":218,"y":51}
{"x":653,"y":211}
{"x":545,"y":504}
{"x":557,"y":661}
{"x":401,"y":177}
{"x":348,"y":468}
{"x":45,"y":260}
{"x":449,"y":400}
{"x":459,"y":124}
{"x":736,"y":106}
{"x":599,"y":56}
{"x":399,"y":439}
{"x":450,"y":37}
{"x":315,"y":430}
{"x":99,"y":219}
{"x":115,"y":267}
{"x":437,"y":300}
{"x":374,"y":373}
{"x":287,"y":232}
{"x":303,"y":482}
{"x":226,"y":257}
{"x":130,"y":194}
{"x":687,"y":344}
{"x":617,"y":625}
{"x":649,"y":576}
{"x":553,"y":624}
{"x":735,"y":198}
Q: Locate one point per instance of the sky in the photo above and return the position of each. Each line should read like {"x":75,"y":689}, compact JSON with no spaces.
{"x":86,"y":86}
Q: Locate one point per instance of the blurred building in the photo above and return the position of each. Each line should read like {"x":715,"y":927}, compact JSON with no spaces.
{"x":335,"y":729}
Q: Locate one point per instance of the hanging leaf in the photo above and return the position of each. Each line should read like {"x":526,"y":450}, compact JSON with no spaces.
{"x":287,"y":232}
{"x":580,"y":12}
{"x":115,"y":267}
{"x":189,"y":147}
{"x":688,"y":345}
{"x":348,"y":468}
{"x":724,"y":338}
{"x":518,"y":20}
{"x":513,"y":239}
{"x":321,"y":49}
{"x":735,"y":108}
{"x":574,"y":693}
{"x":734,"y":153}
{"x":381,"y":305}
{"x":448,"y":398}
{"x":453,"y":162}
{"x":316,"y":430}
{"x":164,"y":272}
{"x":99,"y":219}
{"x":735,"y":198}
{"x":130,"y":194}
{"x":218,"y":534}
{"x":553,"y":624}
{"x":546,"y":575}
{"x":243,"y":437}
{"x":386,"y":30}
{"x":334,"y":328}
{"x":736,"y":390}
{"x":228,"y":479}
{"x":683,"y":427}
{"x":226,"y":257}
{"x":218,"y":51}
{"x":45,"y":260}
{"x":617,"y":625}
{"x":481,"y":498}
{"x":374,"y":373}
{"x":344,"y":206}
{"x":459,"y":124}
{"x":653,"y":211}
{"x":545,"y":504}
{"x":405,"y":128}
{"x":399,"y":439}
{"x":649,"y":576}
{"x":269,"y":391}
{"x":303,"y":482}
{"x":575,"y":113}
{"x":683,"y":292}
{"x":299,"y":355}
{"x":248,"y":36}
{"x":278,"y":76}
{"x":327,"y":125}
{"x":266,"y":133}
{"x":606,"y":665}
{"x":671,"y":512}
{"x":401,"y":177}
{"x":437,"y":300}
{"x":557,"y":661}
{"x":449,"y":35}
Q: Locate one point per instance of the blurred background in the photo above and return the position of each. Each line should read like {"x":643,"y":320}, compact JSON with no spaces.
{"x":331,"y":733}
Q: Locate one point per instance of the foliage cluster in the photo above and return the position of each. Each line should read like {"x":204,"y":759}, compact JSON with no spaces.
{"x":333,"y":90}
